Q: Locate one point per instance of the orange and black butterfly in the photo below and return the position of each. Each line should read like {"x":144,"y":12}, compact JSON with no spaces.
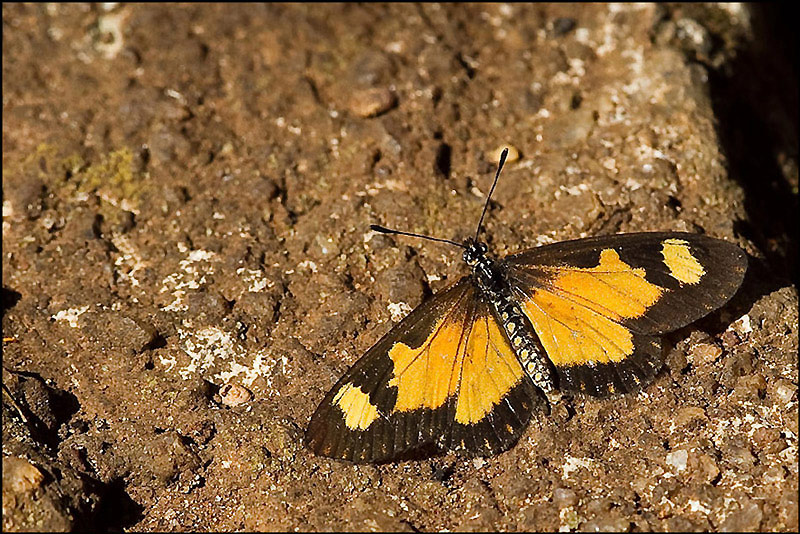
{"x":466,"y":368}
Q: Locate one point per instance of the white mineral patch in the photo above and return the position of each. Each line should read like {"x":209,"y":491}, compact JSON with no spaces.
{"x":677,"y":459}
{"x":743,"y":325}
{"x":191,"y":275}
{"x":70,"y":315}
{"x":573,"y":464}
{"x":128,"y":262}
{"x":255,"y":280}
{"x":215,"y":352}
{"x":398,"y":310}
{"x":697,"y":506}
{"x":308,"y":264}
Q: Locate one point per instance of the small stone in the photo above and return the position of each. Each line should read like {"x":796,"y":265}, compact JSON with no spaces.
{"x":21,"y":476}
{"x":679,"y":523}
{"x":740,"y":457}
{"x":730,"y":339}
{"x":693,"y":37}
{"x":677,"y":459}
{"x":743,"y":325}
{"x":763,"y":437}
{"x":613,"y":523}
{"x":746,"y":519}
{"x":563,"y":25}
{"x":783,"y":391}
{"x":372,"y":102}
{"x":26,"y":198}
{"x":235,"y":395}
{"x":750,"y":386}
{"x":688,"y":415}
{"x":704,"y":354}
{"x":110,"y":330}
{"x":705,"y":468}
{"x":569,"y":519}
{"x":30,"y":504}
{"x":563,"y":497}
{"x":494,"y":155}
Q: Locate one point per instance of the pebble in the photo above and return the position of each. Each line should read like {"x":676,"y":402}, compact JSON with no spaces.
{"x":677,"y":459}
{"x":563,"y":497}
{"x":693,"y":36}
{"x":494,"y":155}
{"x":747,"y":519}
{"x":689,"y":414}
{"x":607,"y":524}
{"x":730,"y":339}
{"x":20,"y":475}
{"x":743,"y":325}
{"x":704,"y":354}
{"x":235,"y":395}
{"x":563,"y":25}
{"x":705,"y":468}
{"x":763,"y":437}
{"x":372,"y":102}
{"x":740,"y":457}
{"x":751,"y":386}
{"x":784,"y":391}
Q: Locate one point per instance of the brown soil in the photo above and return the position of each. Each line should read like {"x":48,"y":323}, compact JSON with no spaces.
{"x":187,"y":199}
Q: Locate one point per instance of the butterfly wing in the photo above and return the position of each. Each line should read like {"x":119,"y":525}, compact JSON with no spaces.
{"x":599,"y":304}
{"x":444,"y":378}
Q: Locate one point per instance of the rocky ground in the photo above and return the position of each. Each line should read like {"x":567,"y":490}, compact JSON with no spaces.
{"x":188,"y":265}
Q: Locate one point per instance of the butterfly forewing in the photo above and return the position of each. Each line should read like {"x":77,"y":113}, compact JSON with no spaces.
{"x":596,"y":304}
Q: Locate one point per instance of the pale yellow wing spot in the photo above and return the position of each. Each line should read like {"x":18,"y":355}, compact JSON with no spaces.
{"x":356,"y":407}
{"x":682,"y":264}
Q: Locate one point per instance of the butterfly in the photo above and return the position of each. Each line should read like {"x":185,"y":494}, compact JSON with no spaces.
{"x":466,"y":369}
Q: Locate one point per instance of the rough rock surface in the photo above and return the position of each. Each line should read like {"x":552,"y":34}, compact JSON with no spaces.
{"x":187,"y":199}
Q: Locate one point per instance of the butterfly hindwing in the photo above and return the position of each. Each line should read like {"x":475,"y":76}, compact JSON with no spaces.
{"x":443,"y":378}
{"x":495,"y":397}
{"x":598,"y":304}
{"x":331,"y":434}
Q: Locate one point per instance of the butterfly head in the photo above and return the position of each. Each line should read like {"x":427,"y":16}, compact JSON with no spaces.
{"x":474,"y":252}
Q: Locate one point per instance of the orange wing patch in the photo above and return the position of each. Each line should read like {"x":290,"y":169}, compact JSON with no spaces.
{"x":490,"y":370}
{"x":578,"y":314}
{"x":480,"y":369}
{"x":427,"y":375}
{"x":576,"y":335}
{"x":613,"y":288}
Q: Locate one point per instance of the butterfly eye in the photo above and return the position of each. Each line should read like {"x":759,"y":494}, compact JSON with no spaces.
{"x":482,"y":248}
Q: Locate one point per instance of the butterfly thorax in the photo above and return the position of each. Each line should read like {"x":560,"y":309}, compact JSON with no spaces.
{"x":489,"y":275}
{"x":485,"y":270}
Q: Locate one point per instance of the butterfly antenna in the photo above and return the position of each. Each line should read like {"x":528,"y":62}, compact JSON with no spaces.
{"x":384,"y":230}
{"x":503,"y":156}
